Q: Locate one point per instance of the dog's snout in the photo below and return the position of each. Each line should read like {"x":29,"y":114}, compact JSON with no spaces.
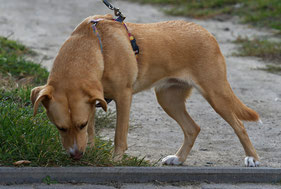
{"x":74,"y":152}
{"x":76,"y":155}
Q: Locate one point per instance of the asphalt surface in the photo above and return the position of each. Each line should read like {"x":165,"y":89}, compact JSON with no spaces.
{"x":144,"y":186}
{"x":139,"y":177}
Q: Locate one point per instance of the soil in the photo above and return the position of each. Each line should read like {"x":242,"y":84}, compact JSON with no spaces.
{"x":44,"y":25}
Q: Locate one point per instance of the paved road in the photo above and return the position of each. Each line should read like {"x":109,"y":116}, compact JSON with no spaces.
{"x":144,"y":186}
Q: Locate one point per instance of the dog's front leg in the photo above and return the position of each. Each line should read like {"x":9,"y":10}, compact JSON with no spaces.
{"x":91,"y":128}
{"x":123,"y":103}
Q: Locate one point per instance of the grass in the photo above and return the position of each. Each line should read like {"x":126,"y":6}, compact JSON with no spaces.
{"x":263,"y":48}
{"x":25,"y":137}
{"x":48,"y":180}
{"x":13,"y":62}
{"x":256,"y":12}
{"x":272,"y":69}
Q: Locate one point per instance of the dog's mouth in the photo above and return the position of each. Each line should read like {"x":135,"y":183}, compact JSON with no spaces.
{"x":76,"y":155}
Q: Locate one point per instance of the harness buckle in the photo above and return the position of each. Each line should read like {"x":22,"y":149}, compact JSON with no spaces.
{"x":117,"y":12}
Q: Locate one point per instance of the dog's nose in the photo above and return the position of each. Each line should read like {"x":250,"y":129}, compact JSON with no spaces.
{"x":77,"y":155}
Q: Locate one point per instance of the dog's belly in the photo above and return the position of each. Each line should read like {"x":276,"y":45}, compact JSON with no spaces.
{"x":184,"y":81}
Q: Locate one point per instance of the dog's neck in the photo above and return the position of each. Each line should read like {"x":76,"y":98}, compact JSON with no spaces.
{"x":79,"y":57}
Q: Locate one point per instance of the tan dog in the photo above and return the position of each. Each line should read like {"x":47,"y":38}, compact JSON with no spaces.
{"x":174,"y":57}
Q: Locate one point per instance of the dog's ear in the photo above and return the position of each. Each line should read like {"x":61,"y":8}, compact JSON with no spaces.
{"x":102,"y":102}
{"x":95,"y":92}
{"x":38,"y":94}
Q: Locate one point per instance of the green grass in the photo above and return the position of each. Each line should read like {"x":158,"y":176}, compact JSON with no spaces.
{"x":48,"y":180}
{"x":256,"y":12}
{"x":272,"y":69}
{"x":13,"y":62}
{"x":262,"y":13}
{"x":25,"y":137}
{"x":262,"y":48}
{"x":202,"y":9}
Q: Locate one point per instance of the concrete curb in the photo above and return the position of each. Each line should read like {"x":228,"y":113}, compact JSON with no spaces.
{"x":97,"y":175}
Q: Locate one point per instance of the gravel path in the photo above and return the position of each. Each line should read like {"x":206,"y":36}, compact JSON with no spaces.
{"x":44,"y":25}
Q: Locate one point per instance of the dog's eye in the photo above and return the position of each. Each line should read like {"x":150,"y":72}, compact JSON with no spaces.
{"x":62,"y":129}
{"x":83,"y":125}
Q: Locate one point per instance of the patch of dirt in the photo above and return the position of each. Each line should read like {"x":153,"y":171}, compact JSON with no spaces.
{"x":44,"y":25}
{"x":7,"y":82}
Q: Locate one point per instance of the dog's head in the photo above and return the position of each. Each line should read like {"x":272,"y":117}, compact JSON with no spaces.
{"x":71,"y":111}
{"x":73,"y":88}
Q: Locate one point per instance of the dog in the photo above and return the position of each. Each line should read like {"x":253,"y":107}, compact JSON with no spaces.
{"x":175,"y":56}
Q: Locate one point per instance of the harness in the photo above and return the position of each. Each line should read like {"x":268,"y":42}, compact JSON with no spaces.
{"x":120,"y":18}
{"x":131,"y":37}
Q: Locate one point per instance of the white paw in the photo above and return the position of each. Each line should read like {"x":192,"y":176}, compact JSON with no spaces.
{"x":171,"y":160}
{"x":251,"y":162}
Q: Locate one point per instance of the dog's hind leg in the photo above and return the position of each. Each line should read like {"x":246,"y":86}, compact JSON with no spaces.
{"x":217,"y":91}
{"x":172,"y":100}
{"x":231,"y":109}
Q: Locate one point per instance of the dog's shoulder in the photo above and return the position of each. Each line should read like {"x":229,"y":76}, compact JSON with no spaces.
{"x":85,"y":25}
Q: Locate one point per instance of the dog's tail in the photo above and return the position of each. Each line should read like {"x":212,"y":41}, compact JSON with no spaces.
{"x":242,"y":111}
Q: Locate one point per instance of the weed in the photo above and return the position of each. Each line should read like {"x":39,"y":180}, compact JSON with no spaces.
{"x":48,"y":180}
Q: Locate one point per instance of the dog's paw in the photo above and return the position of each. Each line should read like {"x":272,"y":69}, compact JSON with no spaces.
{"x":171,"y":160}
{"x":117,"y":157}
{"x":251,"y":162}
